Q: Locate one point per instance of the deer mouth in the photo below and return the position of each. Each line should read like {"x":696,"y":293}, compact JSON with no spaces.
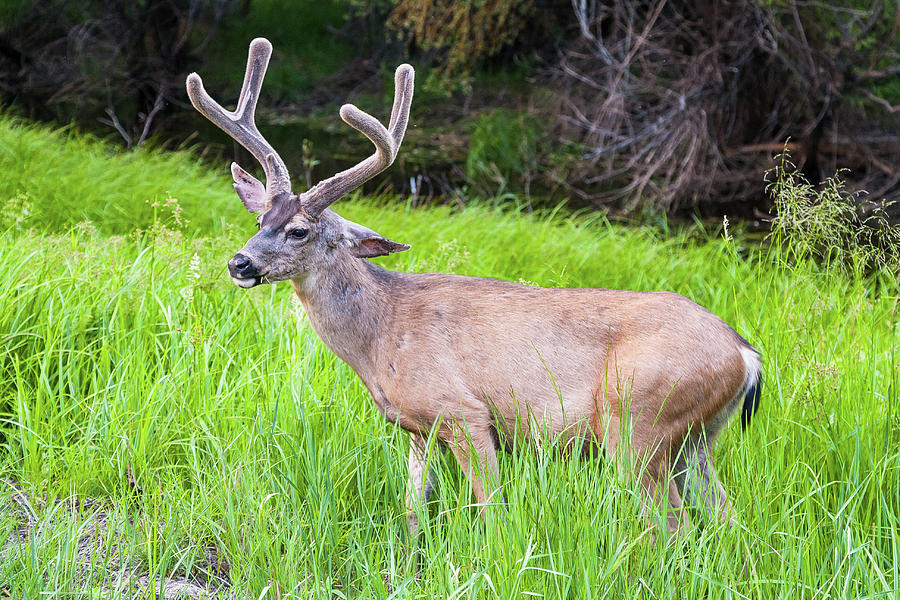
{"x":247,"y":282}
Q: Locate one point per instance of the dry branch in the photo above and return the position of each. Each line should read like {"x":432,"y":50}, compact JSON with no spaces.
{"x":675,"y":105}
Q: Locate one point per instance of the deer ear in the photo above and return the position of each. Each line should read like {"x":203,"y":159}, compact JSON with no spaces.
{"x":362,"y":242}
{"x":249,"y":189}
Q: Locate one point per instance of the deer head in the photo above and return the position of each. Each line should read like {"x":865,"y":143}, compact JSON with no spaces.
{"x":298,"y":232}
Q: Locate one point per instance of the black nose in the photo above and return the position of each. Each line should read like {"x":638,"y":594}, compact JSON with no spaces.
{"x":241,"y":262}
{"x":240,"y":266}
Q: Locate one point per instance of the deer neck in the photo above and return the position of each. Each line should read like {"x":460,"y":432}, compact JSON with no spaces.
{"x":346,"y":303}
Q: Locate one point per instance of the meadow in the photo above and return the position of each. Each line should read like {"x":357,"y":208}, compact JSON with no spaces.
{"x":160,"y":425}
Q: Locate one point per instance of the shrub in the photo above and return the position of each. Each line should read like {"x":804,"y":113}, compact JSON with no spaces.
{"x":460,"y":34}
{"x":503,"y":149}
{"x":118,"y":61}
{"x":680,"y":105}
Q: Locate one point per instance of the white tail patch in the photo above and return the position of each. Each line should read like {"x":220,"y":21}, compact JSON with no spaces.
{"x":753,"y":366}
{"x":752,"y":369}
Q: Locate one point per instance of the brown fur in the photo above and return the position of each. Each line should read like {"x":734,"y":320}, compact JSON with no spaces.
{"x":478,"y":356}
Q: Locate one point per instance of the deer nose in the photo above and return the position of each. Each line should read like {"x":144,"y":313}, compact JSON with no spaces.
{"x":241,"y":266}
{"x":241,"y":262}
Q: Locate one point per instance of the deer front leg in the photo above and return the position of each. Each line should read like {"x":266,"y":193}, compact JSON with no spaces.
{"x":420,"y":483}
{"x":483,"y":473}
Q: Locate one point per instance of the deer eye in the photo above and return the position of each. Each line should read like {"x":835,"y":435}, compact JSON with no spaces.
{"x":298,"y":234}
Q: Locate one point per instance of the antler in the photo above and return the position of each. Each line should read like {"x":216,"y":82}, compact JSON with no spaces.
{"x":387,"y":143}
{"x":240,"y":124}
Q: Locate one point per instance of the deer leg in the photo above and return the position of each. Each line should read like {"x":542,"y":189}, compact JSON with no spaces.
{"x":483,"y":472}
{"x":420,"y":483}
{"x":657,"y":482}
{"x":698,"y":482}
{"x":653,"y":473}
{"x":724,"y":509}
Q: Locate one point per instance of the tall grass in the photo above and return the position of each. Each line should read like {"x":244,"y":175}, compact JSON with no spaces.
{"x":60,"y":178}
{"x":203,"y":420}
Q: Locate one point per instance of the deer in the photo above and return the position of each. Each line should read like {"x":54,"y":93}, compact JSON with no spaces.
{"x":650,"y":377}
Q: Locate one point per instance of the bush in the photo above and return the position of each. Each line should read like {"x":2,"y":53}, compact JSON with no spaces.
{"x":459,"y":35}
{"x":118,"y":61}
{"x":503,"y":149}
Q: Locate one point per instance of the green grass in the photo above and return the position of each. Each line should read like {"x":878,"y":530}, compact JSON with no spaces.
{"x":199,"y":417}
{"x":60,"y":178}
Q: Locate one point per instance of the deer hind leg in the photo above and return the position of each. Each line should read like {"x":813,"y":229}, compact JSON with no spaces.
{"x":697,"y":480}
{"x":657,"y":482}
{"x":421,"y":482}
{"x":650,"y":465}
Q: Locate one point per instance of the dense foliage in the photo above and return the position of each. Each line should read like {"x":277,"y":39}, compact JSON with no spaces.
{"x":460,"y":35}
{"x":635,"y":107}
{"x":119,"y":62}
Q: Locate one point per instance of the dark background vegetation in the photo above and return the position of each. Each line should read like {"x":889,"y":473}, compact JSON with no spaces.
{"x":644,"y":109}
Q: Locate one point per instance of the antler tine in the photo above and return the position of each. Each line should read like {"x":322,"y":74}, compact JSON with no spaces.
{"x":403,"y":93}
{"x":241,"y":124}
{"x":386,"y":140}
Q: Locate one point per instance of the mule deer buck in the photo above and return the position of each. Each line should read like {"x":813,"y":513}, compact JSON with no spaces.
{"x":651,"y":376}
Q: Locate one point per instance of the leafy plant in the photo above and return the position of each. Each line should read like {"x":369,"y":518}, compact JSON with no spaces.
{"x":460,"y":34}
{"x":15,"y":212}
{"x":503,"y":149}
{"x":830,"y":224}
